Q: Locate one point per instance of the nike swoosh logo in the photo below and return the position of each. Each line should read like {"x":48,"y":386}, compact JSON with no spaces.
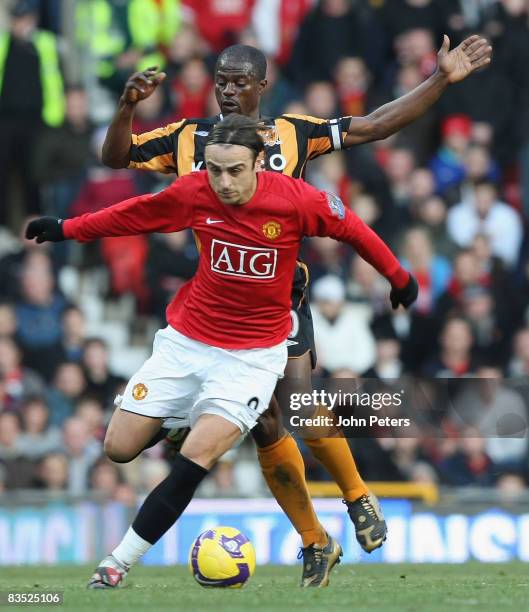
{"x":210,"y":221}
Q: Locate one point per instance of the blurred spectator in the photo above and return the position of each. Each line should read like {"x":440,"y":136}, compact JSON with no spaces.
{"x":329,"y":173}
{"x":125,"y":256}
{"x":387,"y":364}
{"x":491,"y":338}
{"x":498,"y":414}
{"x":103,"y":186}
{"x":73,"y":333}
{"x":12,"y":261}
{"x":392,"y":459}
{"x":486,"y":214}
{"x":321,"y":101}
{"x":39,"y":313}
{"x":122,"y":37}
{"x":276,"y":26}
{"x":419,"y":136}
{"x":399,"y":16}
{"x":366,"y":286}
{"x":508,"y":295}
{"x":172,"y":261}
{"x":191,"y":89}
{"x":447,"y":165}
{"x":82,"y":452}
{"x":432,"y":271}
{"x":90,"y":410}
{"x":219,"y":23}
{"x":185,"y":45}
{"x":68,"y":385}
{"x":52,"y":473}
{"x":278,"y":93}
{"x":431,"y":215}
{"x":25,"y":104}
{"x":8,"y":320}
{"x":334,"y":29}
{"x":410,"y":461}
{"x":352,"y":81}
{"x":18,"y":382}
{"x":107,"y":481}
{"x":519,"y":366}
{"x":63,"y":154}
{"x":38,"y":437}
{"x":467,"y":275}
{"x":416,"y":47}
{"x":9,"y":435}
{"x":511,"y":486}
{"x":421,"y":188}
{"x":399,"y":168}
{"x":151,"y":473}
{"x":339,"y":326}
{"x":3,"y":478}
{"x":478,"y":165}
{"x":455,"y":355}
{"x":100,"y":381}
{"x":470,"y":464}
{"x":19,"y":469}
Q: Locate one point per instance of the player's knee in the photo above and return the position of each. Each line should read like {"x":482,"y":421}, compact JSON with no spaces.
{"x":269,"y":428}
{"x":116,"y":451}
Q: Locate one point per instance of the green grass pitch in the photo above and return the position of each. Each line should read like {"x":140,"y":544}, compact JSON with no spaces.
{"x":355,"y":588}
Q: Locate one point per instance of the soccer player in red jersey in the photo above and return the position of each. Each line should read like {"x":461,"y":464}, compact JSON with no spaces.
{"x":215,"y":367}
{"x":290,"y":142}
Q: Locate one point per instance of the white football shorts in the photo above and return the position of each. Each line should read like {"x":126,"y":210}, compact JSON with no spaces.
{"x":185,"y":378}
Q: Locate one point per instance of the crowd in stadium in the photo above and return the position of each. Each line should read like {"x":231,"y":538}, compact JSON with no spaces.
{"x":449,"y":193}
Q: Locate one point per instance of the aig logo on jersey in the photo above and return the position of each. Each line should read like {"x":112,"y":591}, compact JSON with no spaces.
{"x":239,"y":260}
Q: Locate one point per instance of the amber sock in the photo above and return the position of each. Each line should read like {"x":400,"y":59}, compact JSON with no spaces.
{"x":284,"y":471}
{"x":336,"y":456}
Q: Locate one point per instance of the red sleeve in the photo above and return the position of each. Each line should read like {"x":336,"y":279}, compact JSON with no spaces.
{"x":324,"y":214}
{"x":170,"y":210}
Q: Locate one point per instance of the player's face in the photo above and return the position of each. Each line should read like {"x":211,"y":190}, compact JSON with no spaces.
{"x":237,"y":89}
{"x":231,"y":172}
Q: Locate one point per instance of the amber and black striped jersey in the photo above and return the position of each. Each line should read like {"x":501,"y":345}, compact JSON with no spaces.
{"x":290,"y":141}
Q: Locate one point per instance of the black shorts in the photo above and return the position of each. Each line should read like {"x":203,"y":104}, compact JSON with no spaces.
{"x":301,"y":338}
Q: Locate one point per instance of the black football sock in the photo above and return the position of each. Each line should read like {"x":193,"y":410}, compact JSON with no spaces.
{"x":169,"y":499}
{"x":158,"y":437}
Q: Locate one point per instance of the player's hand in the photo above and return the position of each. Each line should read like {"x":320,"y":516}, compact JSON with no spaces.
{"x":45,"y":229}
{"x":473,"y":53}
{"x":140,"y":85}
{"x":406,"y":295}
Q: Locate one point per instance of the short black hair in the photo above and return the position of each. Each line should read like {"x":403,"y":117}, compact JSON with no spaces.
{"x":486,"y":182}
{"x":237,"y":130}
{"x":244,"y":54}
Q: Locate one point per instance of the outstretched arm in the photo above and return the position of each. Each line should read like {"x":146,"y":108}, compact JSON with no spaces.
{"x":116,"y":148}
{"x":171,"y":210}
{"x":452,"y":66}
{"x":324,"y":214}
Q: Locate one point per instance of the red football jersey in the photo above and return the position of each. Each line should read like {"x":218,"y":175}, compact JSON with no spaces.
{"x":240,"y":297}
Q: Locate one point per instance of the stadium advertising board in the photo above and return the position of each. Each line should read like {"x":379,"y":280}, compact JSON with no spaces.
{"x":59,"y":533}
